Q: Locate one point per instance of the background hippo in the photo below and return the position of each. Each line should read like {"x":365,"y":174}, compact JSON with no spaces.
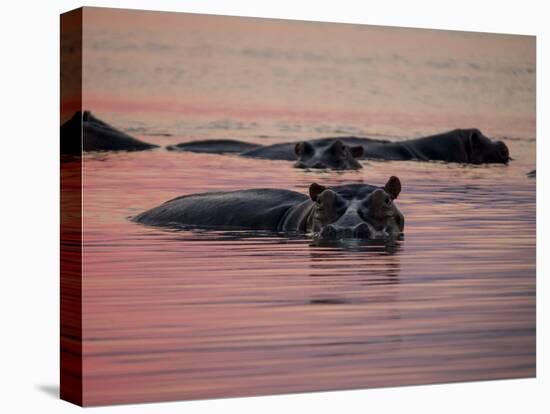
{"x":96,"y":136}
{"x":354,"y":210}
{"x":215,"y":146}
{"x":329,"y":153}
{"x":467,"y":146}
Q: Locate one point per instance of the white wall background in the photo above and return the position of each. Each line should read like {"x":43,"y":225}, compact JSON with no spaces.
{"x":29,"y":98}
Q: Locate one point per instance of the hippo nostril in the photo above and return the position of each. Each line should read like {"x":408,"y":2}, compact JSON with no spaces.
{"x":329,"y":232}
{"x":361,"y":231}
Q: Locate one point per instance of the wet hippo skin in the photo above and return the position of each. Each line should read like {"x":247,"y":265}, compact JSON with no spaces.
{"x":349,"y":211}
{"x":467,"y":146}
{"x":96,"y":136}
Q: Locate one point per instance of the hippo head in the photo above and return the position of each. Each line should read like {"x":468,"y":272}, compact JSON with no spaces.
{"x":336,"y":156}
{"x":481,"y":150}
{"x":368,"y":214}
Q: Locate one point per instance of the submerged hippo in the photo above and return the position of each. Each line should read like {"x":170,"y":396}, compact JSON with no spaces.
{"x":354,"y":210}
{"x":330,"y":153}
{"x":467,"y":146}
{"x":96,"y":136}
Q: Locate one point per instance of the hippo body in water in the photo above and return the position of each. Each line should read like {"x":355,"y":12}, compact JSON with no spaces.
{"x":354,"y":210}
{"x":216,"y":146}
{"x":468,"y":146}
{"x":96,"y":136}
{"x":331,"y":153}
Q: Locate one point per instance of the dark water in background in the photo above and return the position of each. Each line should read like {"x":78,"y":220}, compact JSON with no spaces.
{"x":182,"y":314}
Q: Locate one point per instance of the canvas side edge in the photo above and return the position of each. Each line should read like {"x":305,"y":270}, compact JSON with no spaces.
{"x":71,"y":362}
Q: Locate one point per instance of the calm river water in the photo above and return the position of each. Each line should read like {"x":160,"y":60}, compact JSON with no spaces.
{"x":199,"y":314}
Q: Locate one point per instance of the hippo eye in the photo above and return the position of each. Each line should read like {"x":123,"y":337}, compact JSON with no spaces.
{"x":387,"y":201}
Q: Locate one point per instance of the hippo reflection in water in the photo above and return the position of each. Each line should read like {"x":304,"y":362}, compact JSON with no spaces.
{"x":349,"y":211}
{"x":467,"y":146}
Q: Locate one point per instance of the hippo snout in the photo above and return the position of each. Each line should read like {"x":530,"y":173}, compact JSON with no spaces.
{"x":317,"y":165}
{"x":331,"y":232}
{"x":503,"y":152}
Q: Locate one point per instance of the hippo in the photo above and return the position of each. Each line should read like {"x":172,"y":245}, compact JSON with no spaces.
{"x":467,"y":146}
{"x":96,"y":136}
{"x":215,"y":146}
{"x":359,"y":211}
{"x":327,"y":153}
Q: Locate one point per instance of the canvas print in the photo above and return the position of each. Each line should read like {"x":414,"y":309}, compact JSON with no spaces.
{"x":260,"y":206}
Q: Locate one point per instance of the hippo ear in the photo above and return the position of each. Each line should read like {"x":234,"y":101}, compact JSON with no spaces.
{"x":357,"y":151}
{"x":314,"y":190}
{"x":393,"y":187}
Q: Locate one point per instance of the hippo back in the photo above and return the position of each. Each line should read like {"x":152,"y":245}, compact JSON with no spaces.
{"x":214,"y":146}
{"x":283,"y":151}
{"x":85,"y":132}
{"x":258,"y":209}
{"x":449,"y":146}
{"x":100,"y":136}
